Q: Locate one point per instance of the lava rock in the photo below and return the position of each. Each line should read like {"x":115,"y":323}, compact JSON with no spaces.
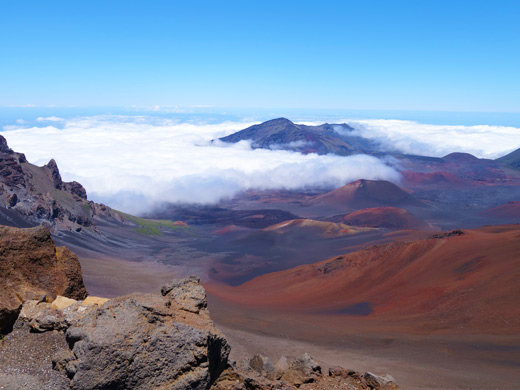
{"x":303,"y":369}
{"x":188,"y":293}
{"x":145,"y":341}
{"x":32,"y":266}
{"x":12,"y":200}
{"x":55,"y":174}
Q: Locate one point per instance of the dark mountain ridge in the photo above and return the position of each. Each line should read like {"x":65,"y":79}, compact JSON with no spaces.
{"x":283,"y":134}
{"x":512,"y":159}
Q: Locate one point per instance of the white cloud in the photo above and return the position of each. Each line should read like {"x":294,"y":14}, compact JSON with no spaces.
{"x":135,"y":163}
{"x":165,"y":109}
{"x":49,"y":119}
{"x":291,"y":145}
{"x":437,"y":140}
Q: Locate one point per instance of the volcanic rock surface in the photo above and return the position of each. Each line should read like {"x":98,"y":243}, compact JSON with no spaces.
{"x":145,"y":341}
{"x":38,"y":196}
{"x":303,"y":372}
{"x":31,"y":266}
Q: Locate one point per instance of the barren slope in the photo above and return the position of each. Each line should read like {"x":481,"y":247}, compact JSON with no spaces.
{"x":454,"y":283}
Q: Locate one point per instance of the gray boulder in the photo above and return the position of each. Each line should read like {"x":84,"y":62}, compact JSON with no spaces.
{"x":303,"y":369}
{"x":144,"y":341}
{"x":188,"y":293}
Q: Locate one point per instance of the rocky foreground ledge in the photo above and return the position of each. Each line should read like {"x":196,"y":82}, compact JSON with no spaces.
{"x":147,"y":341}
{"x":137,"y":341}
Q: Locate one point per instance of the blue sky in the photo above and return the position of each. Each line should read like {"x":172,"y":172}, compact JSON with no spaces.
{"x":384,"y":55}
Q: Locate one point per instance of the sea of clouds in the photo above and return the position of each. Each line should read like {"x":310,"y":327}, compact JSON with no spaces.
{"x":135,"y":163}
{"x":437,"y":140}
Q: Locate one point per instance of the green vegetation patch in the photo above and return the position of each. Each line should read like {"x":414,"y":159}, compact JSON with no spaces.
{"x":153,"y":227}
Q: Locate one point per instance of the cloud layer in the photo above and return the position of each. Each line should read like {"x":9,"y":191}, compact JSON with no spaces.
{"x":436,"y":140}
{"x":135,"y":163}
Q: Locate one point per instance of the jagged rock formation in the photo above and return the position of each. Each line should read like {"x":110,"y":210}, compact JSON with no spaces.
{"x":258,"y":373}
{"x":39,"y":196}
{"x":31,"y":266}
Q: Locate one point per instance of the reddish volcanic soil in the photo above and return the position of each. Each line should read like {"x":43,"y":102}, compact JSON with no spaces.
{"x":507,"y":211}
{"x":229,"y":229}
{"x":385,"y":217}
{"x":438,"y":313}
{"x":461,"y":283}
{"x":362,"y":194}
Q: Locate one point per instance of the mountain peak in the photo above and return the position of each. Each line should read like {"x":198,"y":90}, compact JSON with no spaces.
{"x":281,"y":133}
{"x":365,"y":193}
{"x":55,"y":174}
{"x":4,"y":148}
{"x":458,"y":156}
{"x":280,"y":120}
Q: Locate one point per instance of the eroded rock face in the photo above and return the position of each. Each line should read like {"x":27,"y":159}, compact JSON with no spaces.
{"x":40,"y":196}
{"x":145,"y":341}
{"x":31,"y":267}
{"x":76,"y":188}
{"x":54,"y":173}
{"x":4,"y":148}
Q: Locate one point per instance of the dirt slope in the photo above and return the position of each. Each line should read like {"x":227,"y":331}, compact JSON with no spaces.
{"x":457,"y":283}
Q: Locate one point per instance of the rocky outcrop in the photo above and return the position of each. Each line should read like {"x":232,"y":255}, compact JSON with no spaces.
{"x":145,"y":341}
{"x":40,"y":196}
{"x":452,"y":233}
{"x":52,"y":167}
{"x":11,"y":172}
{"x":31,"y":267}
{"x":76,"y":188}
{"x":4,"y":148}
{"x":302,"y":373}
{"x":12,"y":200}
